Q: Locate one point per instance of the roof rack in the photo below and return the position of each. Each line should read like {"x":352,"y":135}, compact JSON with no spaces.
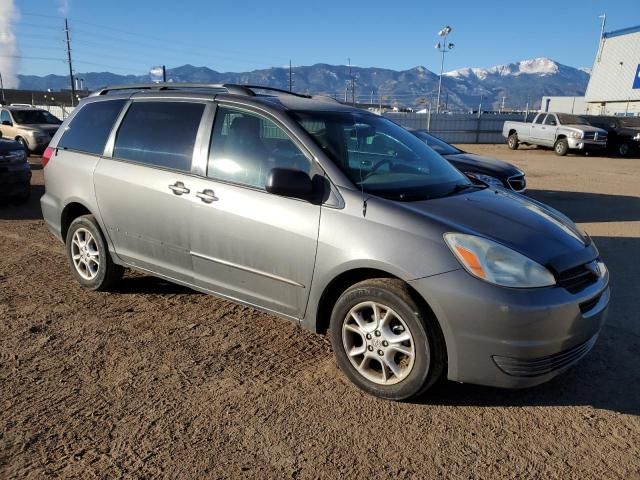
{"x":229,"y":87}
{"x":278,"y":90}
{"x":232,"y":88}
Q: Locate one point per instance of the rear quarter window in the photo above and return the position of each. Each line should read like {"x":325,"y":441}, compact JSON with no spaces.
{"x":90,"y":127}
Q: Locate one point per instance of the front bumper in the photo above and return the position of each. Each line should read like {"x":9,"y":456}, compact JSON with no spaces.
{"x":510,"y":337}
{"x":584,"y":144}
{"x":37,"y":145}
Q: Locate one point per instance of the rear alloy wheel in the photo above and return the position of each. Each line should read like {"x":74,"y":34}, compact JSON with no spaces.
{"x":91,"y":263}
{"x":512,"y":141}
{"x":384,"y":341}
{"x":561,"y":147}
{"x":624,"y":149}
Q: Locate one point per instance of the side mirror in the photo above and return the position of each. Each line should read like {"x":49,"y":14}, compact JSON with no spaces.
{"x":289,"y":183}
{"x":7,"y":123}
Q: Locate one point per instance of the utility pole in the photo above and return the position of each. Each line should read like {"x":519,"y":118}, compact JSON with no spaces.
{"x":164,"y":74}
{"x":73,"y":87}
{"x":353,"y":85}
{"x":371,"y":101}
{"x":443,"y":47}
{"x":502,"y":106}
{"x":2,"y":89}
{"x":290,"y":77}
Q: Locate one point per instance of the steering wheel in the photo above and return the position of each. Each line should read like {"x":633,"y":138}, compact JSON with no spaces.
{"x":377,"y":166}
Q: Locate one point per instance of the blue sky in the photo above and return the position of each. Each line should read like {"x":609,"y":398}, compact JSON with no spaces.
{"x":127,"y":36}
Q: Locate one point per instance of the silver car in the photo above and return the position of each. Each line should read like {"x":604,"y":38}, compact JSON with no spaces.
{"x":293,"y":205}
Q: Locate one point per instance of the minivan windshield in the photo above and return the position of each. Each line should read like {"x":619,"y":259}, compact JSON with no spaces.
{"x":381,"y":157}
{"x":34,"y":117}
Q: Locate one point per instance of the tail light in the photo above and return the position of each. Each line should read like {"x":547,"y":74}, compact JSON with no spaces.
{"x":46,"y":156}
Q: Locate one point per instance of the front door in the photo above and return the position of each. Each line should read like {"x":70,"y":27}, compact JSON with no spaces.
{"x":143,"y":190}
{"x":246,"y":243}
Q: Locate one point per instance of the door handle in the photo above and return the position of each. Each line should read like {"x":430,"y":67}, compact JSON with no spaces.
{"x":207,"y":196}
{"x":178,"y":188}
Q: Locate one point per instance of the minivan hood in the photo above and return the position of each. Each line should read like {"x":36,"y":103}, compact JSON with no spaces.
{"x":480,"y":164}
{"x":524,"y":225}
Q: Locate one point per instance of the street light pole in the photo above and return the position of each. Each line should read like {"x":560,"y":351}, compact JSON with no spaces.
{"x":443,"y":48}
{"x":2,"y":89}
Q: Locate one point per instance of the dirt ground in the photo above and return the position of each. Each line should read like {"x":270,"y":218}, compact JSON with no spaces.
{"x":158,"y":381}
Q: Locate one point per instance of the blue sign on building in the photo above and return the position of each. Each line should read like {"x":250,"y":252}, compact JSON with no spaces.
{"x":636,"y":80}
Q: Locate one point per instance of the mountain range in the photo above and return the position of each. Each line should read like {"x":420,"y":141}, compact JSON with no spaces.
{"x":517,"y":84}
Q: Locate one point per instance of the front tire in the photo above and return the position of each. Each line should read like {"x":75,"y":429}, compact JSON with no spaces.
{"x":23,"y":142}
{"x":512,"y":141}
{"x":89,"y":258}
{"x":385,"y":342}
{"x":624,"y":149}
{"x":561,"y":147}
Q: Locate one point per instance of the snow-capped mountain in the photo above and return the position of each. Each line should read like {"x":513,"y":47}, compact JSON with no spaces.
{"x":463,"y":89}
{"x":520,"y":83}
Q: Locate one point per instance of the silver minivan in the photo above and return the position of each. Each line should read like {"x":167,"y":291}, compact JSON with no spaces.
{"x":293,"y":205}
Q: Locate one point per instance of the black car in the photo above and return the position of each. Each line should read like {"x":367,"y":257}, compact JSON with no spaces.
{"x":491,"y":171}
{"x":624,"y":133}
{"x":15,"y":172}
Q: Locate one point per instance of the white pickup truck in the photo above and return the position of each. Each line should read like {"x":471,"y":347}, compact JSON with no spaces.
{"x":562,"y":131}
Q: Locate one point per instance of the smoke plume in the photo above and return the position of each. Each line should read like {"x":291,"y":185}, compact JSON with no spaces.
{"x":8,"y":45}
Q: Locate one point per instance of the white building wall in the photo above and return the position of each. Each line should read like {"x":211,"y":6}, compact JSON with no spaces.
{"x":614,"y":87}
{"x":576,"y":105}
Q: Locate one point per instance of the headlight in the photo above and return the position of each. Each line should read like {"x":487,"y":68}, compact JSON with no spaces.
{"x":575,"y":134}
{"x":497,"y":264}
{"x":637,"y":137}
{"x":488,"y":179}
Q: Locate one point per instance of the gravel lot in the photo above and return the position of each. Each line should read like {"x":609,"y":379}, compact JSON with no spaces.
{"x":156,"y":380}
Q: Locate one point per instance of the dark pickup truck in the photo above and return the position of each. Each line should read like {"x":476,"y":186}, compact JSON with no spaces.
{"x":623,"y":133}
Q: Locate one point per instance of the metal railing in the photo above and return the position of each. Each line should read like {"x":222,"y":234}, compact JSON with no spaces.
{"x":459,"y":127}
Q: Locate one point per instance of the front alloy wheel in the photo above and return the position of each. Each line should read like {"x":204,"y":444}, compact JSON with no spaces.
{"x":379,"y":343}
{"x":386,"y":340}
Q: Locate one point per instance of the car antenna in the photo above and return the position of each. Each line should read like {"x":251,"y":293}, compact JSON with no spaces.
{"x":364,"y":200}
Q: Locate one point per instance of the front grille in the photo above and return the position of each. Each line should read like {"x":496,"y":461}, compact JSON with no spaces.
{"x":517,"y":183}
{"x":534,"y":367}
{"x":595,"y":136}
{"x":576,"y":279}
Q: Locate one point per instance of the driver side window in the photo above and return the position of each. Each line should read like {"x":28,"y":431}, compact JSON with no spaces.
{"x":550,"y":120}
{"x":246,"y":146}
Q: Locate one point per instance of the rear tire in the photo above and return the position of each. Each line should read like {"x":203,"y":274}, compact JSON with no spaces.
{"x":561,"y":147}
{"x":512,"y":141}
{"x":89,"y":257}
{"x":385,"y":341}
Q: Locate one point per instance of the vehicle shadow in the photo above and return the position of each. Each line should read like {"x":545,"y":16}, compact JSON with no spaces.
{"x":585,"y":207}
{"x":30,"y":210}
{"x":607,"y":378}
